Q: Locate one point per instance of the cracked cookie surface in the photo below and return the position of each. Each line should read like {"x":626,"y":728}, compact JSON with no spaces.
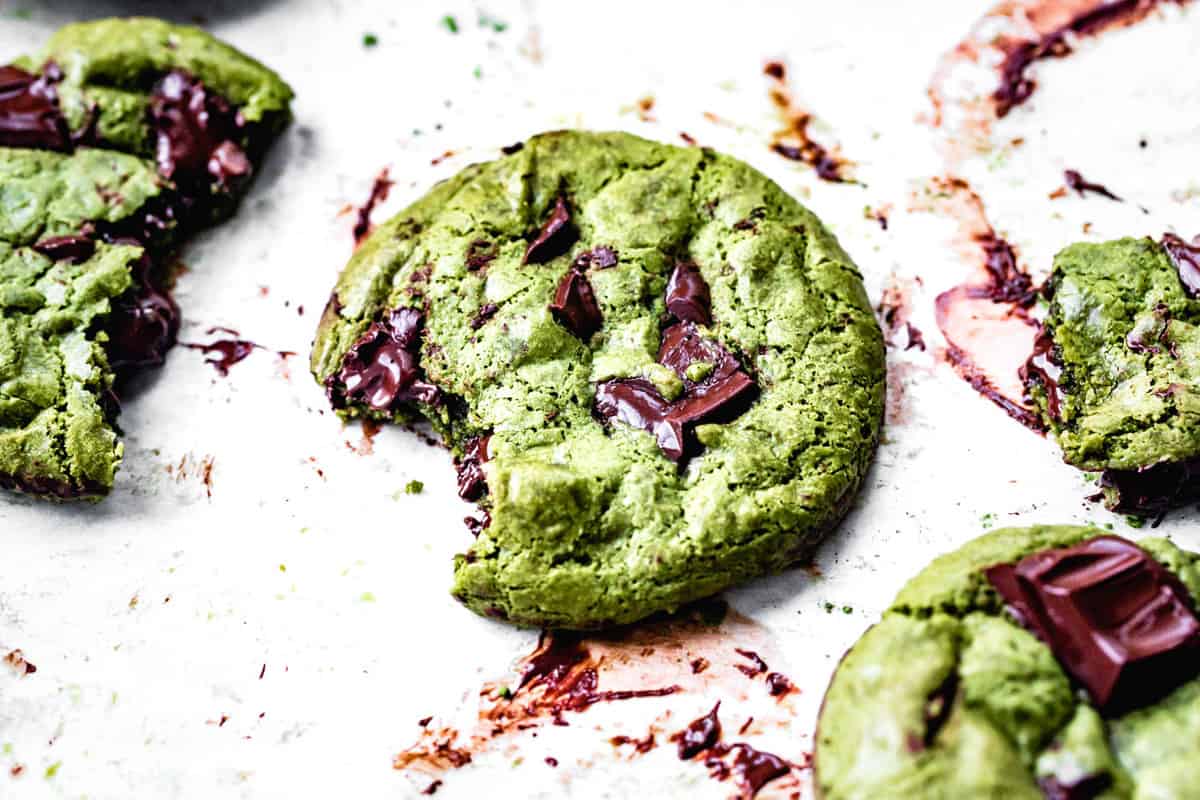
{"x":950,"y":696}
{"x":659,"y":373}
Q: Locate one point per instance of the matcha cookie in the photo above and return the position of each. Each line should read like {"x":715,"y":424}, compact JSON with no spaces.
{"x":658,"y":372}
{"x":1048,"y":662}
{"x":1116,"y":371}
{"x":118,"y":140}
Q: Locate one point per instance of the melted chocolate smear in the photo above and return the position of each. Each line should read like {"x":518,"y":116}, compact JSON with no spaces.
{"x":602,"y":257}
{"x":1045,"y":369}
{"x":379,"y":193}
{"x":472,"y":484}
{"x":1186,"y":258}
{"x":382,"y":369}
{"x":643,"y":745}
{"x":1080,"y":186}
{"x":575,"y":307}
{"x":196,"y":133}
{"x":701,"y":734}
{"x":555,"y":236}
{"x":1007,"y":282}
{"x":1088,"y":787}
{"x":1119,"y":623}
{"x":74,"y":249}
{"x":754,"y":769}
{"x":143,"y":324}
{"x":721,"y":396}
{"x":1016,"y":87}
{"x":29,"y":113}
{"x":688,"y":298}
{"x":1154,"y":490}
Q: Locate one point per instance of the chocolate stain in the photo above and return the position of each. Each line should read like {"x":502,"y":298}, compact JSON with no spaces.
{"x":380,"y":188}
{"x":793,"y":141}
{"x":652,"y":662}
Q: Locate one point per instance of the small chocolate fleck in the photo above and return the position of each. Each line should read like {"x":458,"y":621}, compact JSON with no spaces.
{"x":75,"y":249}
{"x":601,"y":257}
{"x":1080,"y":186}
{"x":778,"y":684}
{"x":485,"y":312}
{"x":700,"y":734}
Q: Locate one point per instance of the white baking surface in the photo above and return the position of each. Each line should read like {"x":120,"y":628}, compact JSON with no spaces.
{"x":151,"y":615}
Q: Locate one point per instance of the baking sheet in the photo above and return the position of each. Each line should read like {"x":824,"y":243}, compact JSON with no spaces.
{"x":260,"y":609}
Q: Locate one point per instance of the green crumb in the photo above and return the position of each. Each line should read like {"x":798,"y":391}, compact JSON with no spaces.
{"x":506,"y":693}
{"x":283,"y":567}
{"x":414,"y":487}
{"x":829,"y":608}
{"x":477,"y":72}
{"x":847,"y":609}
{"x":450,"y":23}
{"x":52,"y":770}
{"x":496,"y":25}
{"x":370,"y":40}
{"x":1135,"y":522}
{"x":367,"y":597}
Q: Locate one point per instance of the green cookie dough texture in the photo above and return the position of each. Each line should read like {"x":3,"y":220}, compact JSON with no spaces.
{"x":590,"y":525}
{"x":57,"y":407}
{"x":1127,"y":338}
{"x":1014,"y":718}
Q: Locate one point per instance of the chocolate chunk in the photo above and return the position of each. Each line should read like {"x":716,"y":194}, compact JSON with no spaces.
{"x":472,"y":483}
{"x":1119,"y":623}
{"x":602,"y":257}
{"x":720,"y":396}
{"x":509,"y":149}
{"x":66,"y":248}
{"x":29,"y":113}
{"x":753,"y":769}
{"x":700,"y":734}
{"x":637,"y":403}
{"x":555,"y":236}
{"x":1152,"y":490}
{"x":381,"y":369}
{"x":687,"y":295}
{"x":144,"y":322}
{"x":196,"y":132}
{"x":1186,"y":258}
{"x":1088,"y":787}
{"x":778,"y":684}
{"x":575,"y":305}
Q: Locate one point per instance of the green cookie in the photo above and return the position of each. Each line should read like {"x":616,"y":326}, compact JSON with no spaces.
{"x":1116,"y":373}
{"x":659,"y":373}
{"x":949,"y":696}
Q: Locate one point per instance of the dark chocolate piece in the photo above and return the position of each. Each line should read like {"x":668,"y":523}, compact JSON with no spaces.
{"x":29,"y":113}
{"x":1119,"y":623}
{"x":1186,"y":258}
{"x":700,"y":734}
{"x":66,"y":248}
{"x":778,"y":684}
{"x":485,"y":312}
{"x":472,"y":484}
{"x":722,"y":395}
{"x":637,"y":403}
{"x":196,"y":132}
{"x":575,"y":307}
{"x":555,"y":236}
{"x":144,"y":322}
{"x":754,"y":769}
{"x":1088,"y":787}
{"x":480,"y":253}
{"x":382,"y":369}
{"x":1153,"y":490}
{"x":688,"y":299}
